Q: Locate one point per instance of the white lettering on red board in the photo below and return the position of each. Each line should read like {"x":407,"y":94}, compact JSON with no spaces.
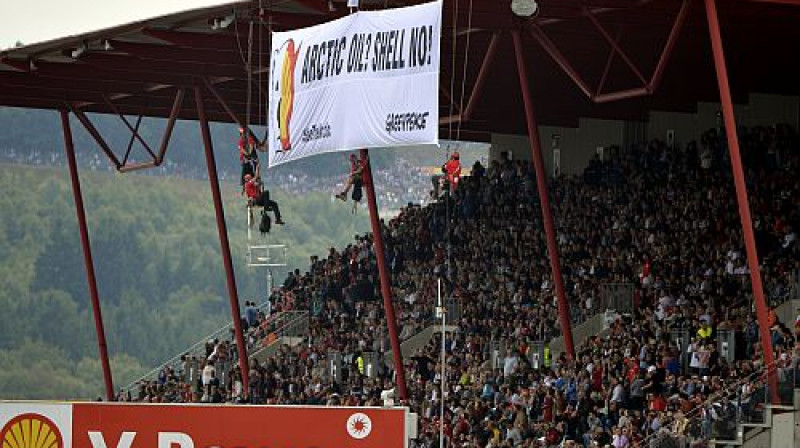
{"x":165,"y":440}
{"x":98,"y":441}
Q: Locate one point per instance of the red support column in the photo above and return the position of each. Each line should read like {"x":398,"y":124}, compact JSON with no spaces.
{"x":87,"y":255}
{"x":386,"y":281}
{"x":762,"y":311}
{"x":222,"y":229}
{"x":541,"y":183}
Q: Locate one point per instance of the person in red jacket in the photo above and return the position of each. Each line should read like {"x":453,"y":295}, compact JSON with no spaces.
{"x":452,"y":171}
{"x":260,"y":198}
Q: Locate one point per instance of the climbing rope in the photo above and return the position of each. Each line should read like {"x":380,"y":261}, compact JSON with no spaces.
{"x":464,"y":76}
{"x":249,"y":67}
{"x":453,"y":72}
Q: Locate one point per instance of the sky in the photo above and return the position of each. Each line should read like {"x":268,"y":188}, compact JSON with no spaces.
{"x":31,"y":21}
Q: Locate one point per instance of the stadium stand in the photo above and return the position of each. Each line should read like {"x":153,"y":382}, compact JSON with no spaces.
{"x":677,"y":362}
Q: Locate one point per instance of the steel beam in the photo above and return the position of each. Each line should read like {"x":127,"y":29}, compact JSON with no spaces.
{"x":647,"y":88}
{"x":481,"y":79}
{"x":111,"y":79}
{"x":230,"y":111}
{"x":131,"y":140}
{"x":621,"y":95}
{"x":130,"y":167}
{"x":146,"y":67}
{"x":87,"y":123}
{"x":316,"y":6}
{"x":173,"y":116}
{"x":450,"y":119}
{"x":157,"y":105}
{"x":220,"y":41}
{"x":179,"y":54}
{"x":91,"y":279}
{"x":762,"y":311}
{"x":385,"y":278}
{"x":606,"y":69}
{"x":23,"y":65}
{"x":669,"y":47}
{"x":225,"y":248}
{"x":613,"y":43}
{"x":544,"y":199}
{"x":134,"y":130}
{"x":165,"y":139}
{"x":549,"y":47}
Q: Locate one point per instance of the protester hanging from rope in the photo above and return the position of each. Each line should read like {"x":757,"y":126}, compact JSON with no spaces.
{"x":355,"y":180}
{"x":248,"y":156}
{"x":257,"y":196}
{"x":452,"y":171}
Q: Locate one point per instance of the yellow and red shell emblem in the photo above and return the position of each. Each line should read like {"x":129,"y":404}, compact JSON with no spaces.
{"x":31,"y":431}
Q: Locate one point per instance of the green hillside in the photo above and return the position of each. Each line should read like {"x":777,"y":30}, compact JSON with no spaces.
{"x":158,"y":264}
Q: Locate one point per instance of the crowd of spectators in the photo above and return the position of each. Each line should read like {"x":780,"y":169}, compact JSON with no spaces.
{"x":663,"y":219}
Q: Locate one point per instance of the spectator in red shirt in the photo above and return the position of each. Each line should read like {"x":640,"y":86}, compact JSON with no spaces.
{"x":260,"y":198}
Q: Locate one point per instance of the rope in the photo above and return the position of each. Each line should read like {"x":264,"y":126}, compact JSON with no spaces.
{"x":249,"y":81}
{"x":261,"y":111}
{"x":447,"y":196}
{"x":238,"y":41}
{"x":453,"y":72}
{"x":466,"y":64}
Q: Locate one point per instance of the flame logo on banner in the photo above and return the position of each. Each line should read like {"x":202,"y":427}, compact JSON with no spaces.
{"x":31,"y":431}
{"x":286,"y":102}
{"x":359,"y":425}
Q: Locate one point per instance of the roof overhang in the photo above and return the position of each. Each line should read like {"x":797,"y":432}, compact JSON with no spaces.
{"x":586,"y":58}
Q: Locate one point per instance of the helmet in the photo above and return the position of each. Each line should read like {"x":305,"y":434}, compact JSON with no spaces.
{"x":247,"y":177}
{"x":455,"y":155}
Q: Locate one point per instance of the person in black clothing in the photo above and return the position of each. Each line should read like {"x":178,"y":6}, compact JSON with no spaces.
{"x":259,"y":197}
{"x":423,"y":366}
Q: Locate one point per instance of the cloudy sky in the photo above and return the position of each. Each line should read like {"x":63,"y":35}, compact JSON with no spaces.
{"x":31,"y":21}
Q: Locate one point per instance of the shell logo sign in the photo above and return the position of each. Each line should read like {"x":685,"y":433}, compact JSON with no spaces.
{"x":31,"y":431}
{"x":114,"y":425}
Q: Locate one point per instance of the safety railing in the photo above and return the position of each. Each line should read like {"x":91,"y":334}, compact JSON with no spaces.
{"x":289,"y":324}
{"x":198,"y":350}
{"x":794,"y":286}
{"x":725,"y":415}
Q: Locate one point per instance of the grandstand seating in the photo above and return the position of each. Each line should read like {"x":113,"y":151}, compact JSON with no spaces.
{"x":663,"y":220}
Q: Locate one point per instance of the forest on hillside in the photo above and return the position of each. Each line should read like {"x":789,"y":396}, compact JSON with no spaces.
{"x":159,"y":271}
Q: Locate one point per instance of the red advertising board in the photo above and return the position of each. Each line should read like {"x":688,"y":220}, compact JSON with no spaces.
{"x":117,"y":425}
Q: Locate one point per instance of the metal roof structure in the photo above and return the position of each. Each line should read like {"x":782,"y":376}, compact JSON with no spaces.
{"x":587,"y":58}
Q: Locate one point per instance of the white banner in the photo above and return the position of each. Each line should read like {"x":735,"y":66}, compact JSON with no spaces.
{"x":370,"y":79}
